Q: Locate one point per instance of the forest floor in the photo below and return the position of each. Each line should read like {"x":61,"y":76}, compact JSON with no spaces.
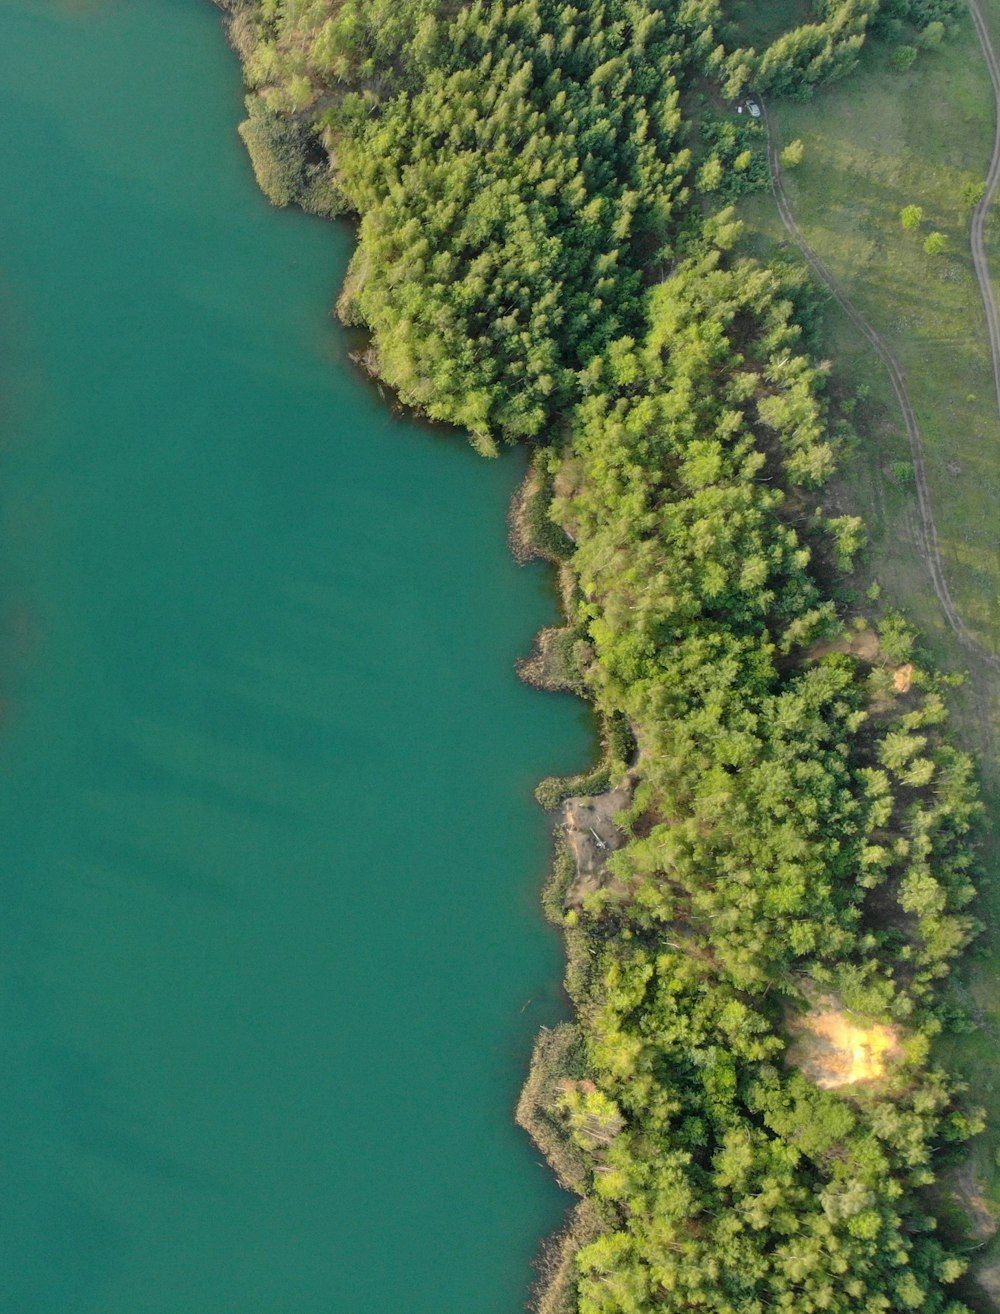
{"x":876,"y":142}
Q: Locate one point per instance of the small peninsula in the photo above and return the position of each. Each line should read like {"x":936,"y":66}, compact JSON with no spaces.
{"x":766,"y":881}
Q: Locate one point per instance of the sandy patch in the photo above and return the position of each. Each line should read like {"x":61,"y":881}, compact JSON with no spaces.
{"x":860,"y":643}
{"x":834,"y":1050}
{"x":902,"y":678}
{"x":593,"y":837}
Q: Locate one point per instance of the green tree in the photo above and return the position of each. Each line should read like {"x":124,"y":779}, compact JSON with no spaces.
{"x":793,"y":154}
{"x":911,"y":217}
{"x":932,"y":35}
{"x":972,"y":193}
{"x":935,"y":244}
{"x":902,"y":58}
{"x":710,"y":174}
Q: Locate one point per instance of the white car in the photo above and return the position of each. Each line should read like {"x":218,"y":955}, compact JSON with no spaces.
{"x":754,"y":108}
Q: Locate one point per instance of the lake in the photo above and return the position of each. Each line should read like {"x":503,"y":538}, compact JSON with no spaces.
{"x":271,"y":951}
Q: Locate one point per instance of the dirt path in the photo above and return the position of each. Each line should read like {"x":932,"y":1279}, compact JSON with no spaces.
{"x":927,"y":537}
{"x":981,"y":212}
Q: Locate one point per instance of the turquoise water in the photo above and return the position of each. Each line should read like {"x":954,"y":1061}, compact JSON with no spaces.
{"x":269,"y":856}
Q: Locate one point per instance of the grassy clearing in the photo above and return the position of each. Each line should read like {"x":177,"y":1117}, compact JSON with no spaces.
{"x":760,"y":21}
{"x":875,"y":143}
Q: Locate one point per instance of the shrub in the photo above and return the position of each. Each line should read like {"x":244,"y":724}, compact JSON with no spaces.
{"x":276,"y":152}
{"x":932,"y":35}
{"x":793,"y":154}
{"x":972,"y":193}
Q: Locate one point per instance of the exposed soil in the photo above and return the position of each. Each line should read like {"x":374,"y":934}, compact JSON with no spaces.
{"x":861,"y":643}
{"x":902,"y":678}
{"x":593,"y":837}
{"x":864,"y":645}
{"x":982,"y":1223}
{"x":833,"y":1050}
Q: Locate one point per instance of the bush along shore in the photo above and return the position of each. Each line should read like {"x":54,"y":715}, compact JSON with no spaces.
{"x":767,"y":880}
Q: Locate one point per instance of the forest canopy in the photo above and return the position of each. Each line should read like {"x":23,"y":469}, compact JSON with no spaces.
{"x":545,"y":255}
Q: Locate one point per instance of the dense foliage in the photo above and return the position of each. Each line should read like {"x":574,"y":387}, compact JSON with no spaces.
{"x":791,"y":834}
{"x":505,"y":207}
{"x":541,"y":256}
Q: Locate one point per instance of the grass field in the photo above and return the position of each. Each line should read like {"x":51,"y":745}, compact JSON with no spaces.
{"x":760,"y":21}
{"x":874,"y":143}
{"x":877,"y":142}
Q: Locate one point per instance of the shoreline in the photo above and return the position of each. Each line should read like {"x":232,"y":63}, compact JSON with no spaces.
{"x":531,"y":537}
{"x":557,"y":663}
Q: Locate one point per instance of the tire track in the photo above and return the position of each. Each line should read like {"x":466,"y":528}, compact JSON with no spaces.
{"x":928,"y":536}
{"x":981,"y":212}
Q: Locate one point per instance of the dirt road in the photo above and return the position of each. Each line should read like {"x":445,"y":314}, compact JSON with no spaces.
{"x":981,"y":212}
{"x":928,"y":544}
